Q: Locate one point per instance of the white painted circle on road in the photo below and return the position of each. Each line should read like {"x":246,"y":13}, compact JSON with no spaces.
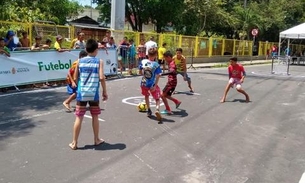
{"x":136,"y":100}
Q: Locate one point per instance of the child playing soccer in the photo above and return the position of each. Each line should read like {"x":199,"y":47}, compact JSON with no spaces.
{"x":71,"y":85}
{"x":171,"y":83}
{"x":151,"y":72}
{"x":88,"y":75}
{"x":236,"y":77}
{"x":180,"y":62}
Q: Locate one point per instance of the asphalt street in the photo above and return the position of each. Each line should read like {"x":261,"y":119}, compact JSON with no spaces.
{"x":203,"y":142}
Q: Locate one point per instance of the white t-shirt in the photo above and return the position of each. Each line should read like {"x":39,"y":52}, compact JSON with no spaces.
{"x":150,"y":44}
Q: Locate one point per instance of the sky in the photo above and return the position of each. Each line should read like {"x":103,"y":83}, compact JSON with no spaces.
{"x":86,"y":2}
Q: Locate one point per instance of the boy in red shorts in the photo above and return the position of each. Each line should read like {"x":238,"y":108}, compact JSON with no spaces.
{"x":171,"y":83}
{"x":236,"y":77}
{"x":151,"y":71}
{"x":72,"y":86}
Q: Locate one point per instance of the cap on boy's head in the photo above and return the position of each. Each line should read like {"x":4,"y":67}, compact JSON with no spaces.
{"x":58,"y":37}
{"x":233,"y":59}
{"x":10,"y":33}
{"x":82,"y":54}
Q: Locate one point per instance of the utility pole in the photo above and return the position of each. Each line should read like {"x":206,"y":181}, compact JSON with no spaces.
{"x":245,"y":4}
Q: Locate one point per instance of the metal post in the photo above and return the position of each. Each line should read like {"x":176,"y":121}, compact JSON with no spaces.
{"x":272,"y":72}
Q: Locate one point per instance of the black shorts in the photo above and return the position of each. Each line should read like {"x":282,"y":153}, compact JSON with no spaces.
{"x":161,"y":61}
{"x":84,"y":104}
{"x":169,"y":89}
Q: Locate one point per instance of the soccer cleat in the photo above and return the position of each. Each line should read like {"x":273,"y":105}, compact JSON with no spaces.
{"x":178,"y":104}
{"x":167,"y":112}
{"x":158,"y":115}
{"x":149,"y":113}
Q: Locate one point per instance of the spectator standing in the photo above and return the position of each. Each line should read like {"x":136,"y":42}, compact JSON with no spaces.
{"x":25,"y":41}
{"x":150,"y":44}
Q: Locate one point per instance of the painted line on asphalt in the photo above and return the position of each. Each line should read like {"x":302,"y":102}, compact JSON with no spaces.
{"x":90,"y":117}
{"x":31,"y":117}
{"x":136,"y":100}
{"x":48,"y":89}
{"x":302,"y":180}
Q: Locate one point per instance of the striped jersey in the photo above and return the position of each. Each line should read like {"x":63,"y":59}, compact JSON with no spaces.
{"x":89,"y":80}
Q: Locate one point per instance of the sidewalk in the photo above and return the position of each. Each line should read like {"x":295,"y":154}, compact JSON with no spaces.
{"x":212,"y":65}
{"x":224,"y":64}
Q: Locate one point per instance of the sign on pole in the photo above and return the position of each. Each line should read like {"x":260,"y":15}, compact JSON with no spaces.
{"x":254,"y":32}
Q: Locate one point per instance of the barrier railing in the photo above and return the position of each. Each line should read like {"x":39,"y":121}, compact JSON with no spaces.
{"x":201,"y":46}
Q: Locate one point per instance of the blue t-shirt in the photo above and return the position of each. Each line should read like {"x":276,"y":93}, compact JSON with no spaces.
{"x":11,"y":45}
{"x":150,"y":70}
{"x":132,"y":51}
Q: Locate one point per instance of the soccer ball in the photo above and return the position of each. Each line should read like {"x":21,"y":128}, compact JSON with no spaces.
{"x":142,"y":107}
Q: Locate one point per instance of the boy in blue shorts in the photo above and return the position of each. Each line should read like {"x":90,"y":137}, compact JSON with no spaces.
{"x":88,"y":75}
{"x":71,"y":85}
{"x":151,"y":71}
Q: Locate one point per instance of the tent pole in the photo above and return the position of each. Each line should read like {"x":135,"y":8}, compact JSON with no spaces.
{"x":288,"y":56}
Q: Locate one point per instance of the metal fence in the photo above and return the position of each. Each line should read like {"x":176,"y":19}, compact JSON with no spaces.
{"x":192,"y":45}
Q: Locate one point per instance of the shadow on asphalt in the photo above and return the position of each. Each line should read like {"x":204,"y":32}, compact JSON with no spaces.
{"x":18,"y":111}
{"x":104,"y":147}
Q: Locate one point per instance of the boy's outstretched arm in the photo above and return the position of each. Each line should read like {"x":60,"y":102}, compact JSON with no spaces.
{"x":103,"y":80}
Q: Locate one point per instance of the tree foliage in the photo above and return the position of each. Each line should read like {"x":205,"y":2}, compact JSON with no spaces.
{"x":226,"y":18}
{"x":29,"y":11}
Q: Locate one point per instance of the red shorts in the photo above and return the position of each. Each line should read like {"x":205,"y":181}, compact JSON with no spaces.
{"x":147,"y":91}
{"x":169,"y":89}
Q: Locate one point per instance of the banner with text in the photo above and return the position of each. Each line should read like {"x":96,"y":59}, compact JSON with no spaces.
{"x":26,"y":67}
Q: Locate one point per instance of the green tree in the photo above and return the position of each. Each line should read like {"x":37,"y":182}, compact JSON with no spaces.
{"x":29,"y":11}
{"x":139,"y":12}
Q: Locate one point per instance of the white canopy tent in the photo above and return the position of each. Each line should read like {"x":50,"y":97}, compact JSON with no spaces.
{"x":296,"y":32}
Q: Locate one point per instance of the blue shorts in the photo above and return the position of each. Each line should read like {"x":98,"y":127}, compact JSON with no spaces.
{"x":186,"y":75}
{"x":70,"y":89}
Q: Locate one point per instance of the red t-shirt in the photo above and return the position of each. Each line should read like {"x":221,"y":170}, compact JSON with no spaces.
{"x":236,"y":71}
{"x":172,"y":78}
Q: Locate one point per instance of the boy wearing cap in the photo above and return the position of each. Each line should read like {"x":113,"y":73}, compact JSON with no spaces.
{"x":10,"y":42}
{"x":236,"y":77}
{"x":57,"y":44}
{"x":3,"y":49}
{"x":71,"y":85}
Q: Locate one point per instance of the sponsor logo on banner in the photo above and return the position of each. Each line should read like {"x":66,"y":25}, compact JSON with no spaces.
{"x":15,"y":70}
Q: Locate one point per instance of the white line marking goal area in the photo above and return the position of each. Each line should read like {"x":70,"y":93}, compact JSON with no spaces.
{"x":138,"y":99}
{"x":90,"y":117}
{"x":302,"y":180}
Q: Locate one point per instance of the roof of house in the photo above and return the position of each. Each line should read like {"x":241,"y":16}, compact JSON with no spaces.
{"x":87,"y":22}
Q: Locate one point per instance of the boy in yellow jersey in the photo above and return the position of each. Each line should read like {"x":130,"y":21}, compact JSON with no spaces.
{"x":161,"y":52}
{"x":180,"y":62}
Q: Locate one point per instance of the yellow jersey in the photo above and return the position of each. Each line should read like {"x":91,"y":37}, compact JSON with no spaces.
{"x":73,"y":42}
{"x":57,"y":46}
{"x":180,"y":63}
{"x":161,"y":51}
